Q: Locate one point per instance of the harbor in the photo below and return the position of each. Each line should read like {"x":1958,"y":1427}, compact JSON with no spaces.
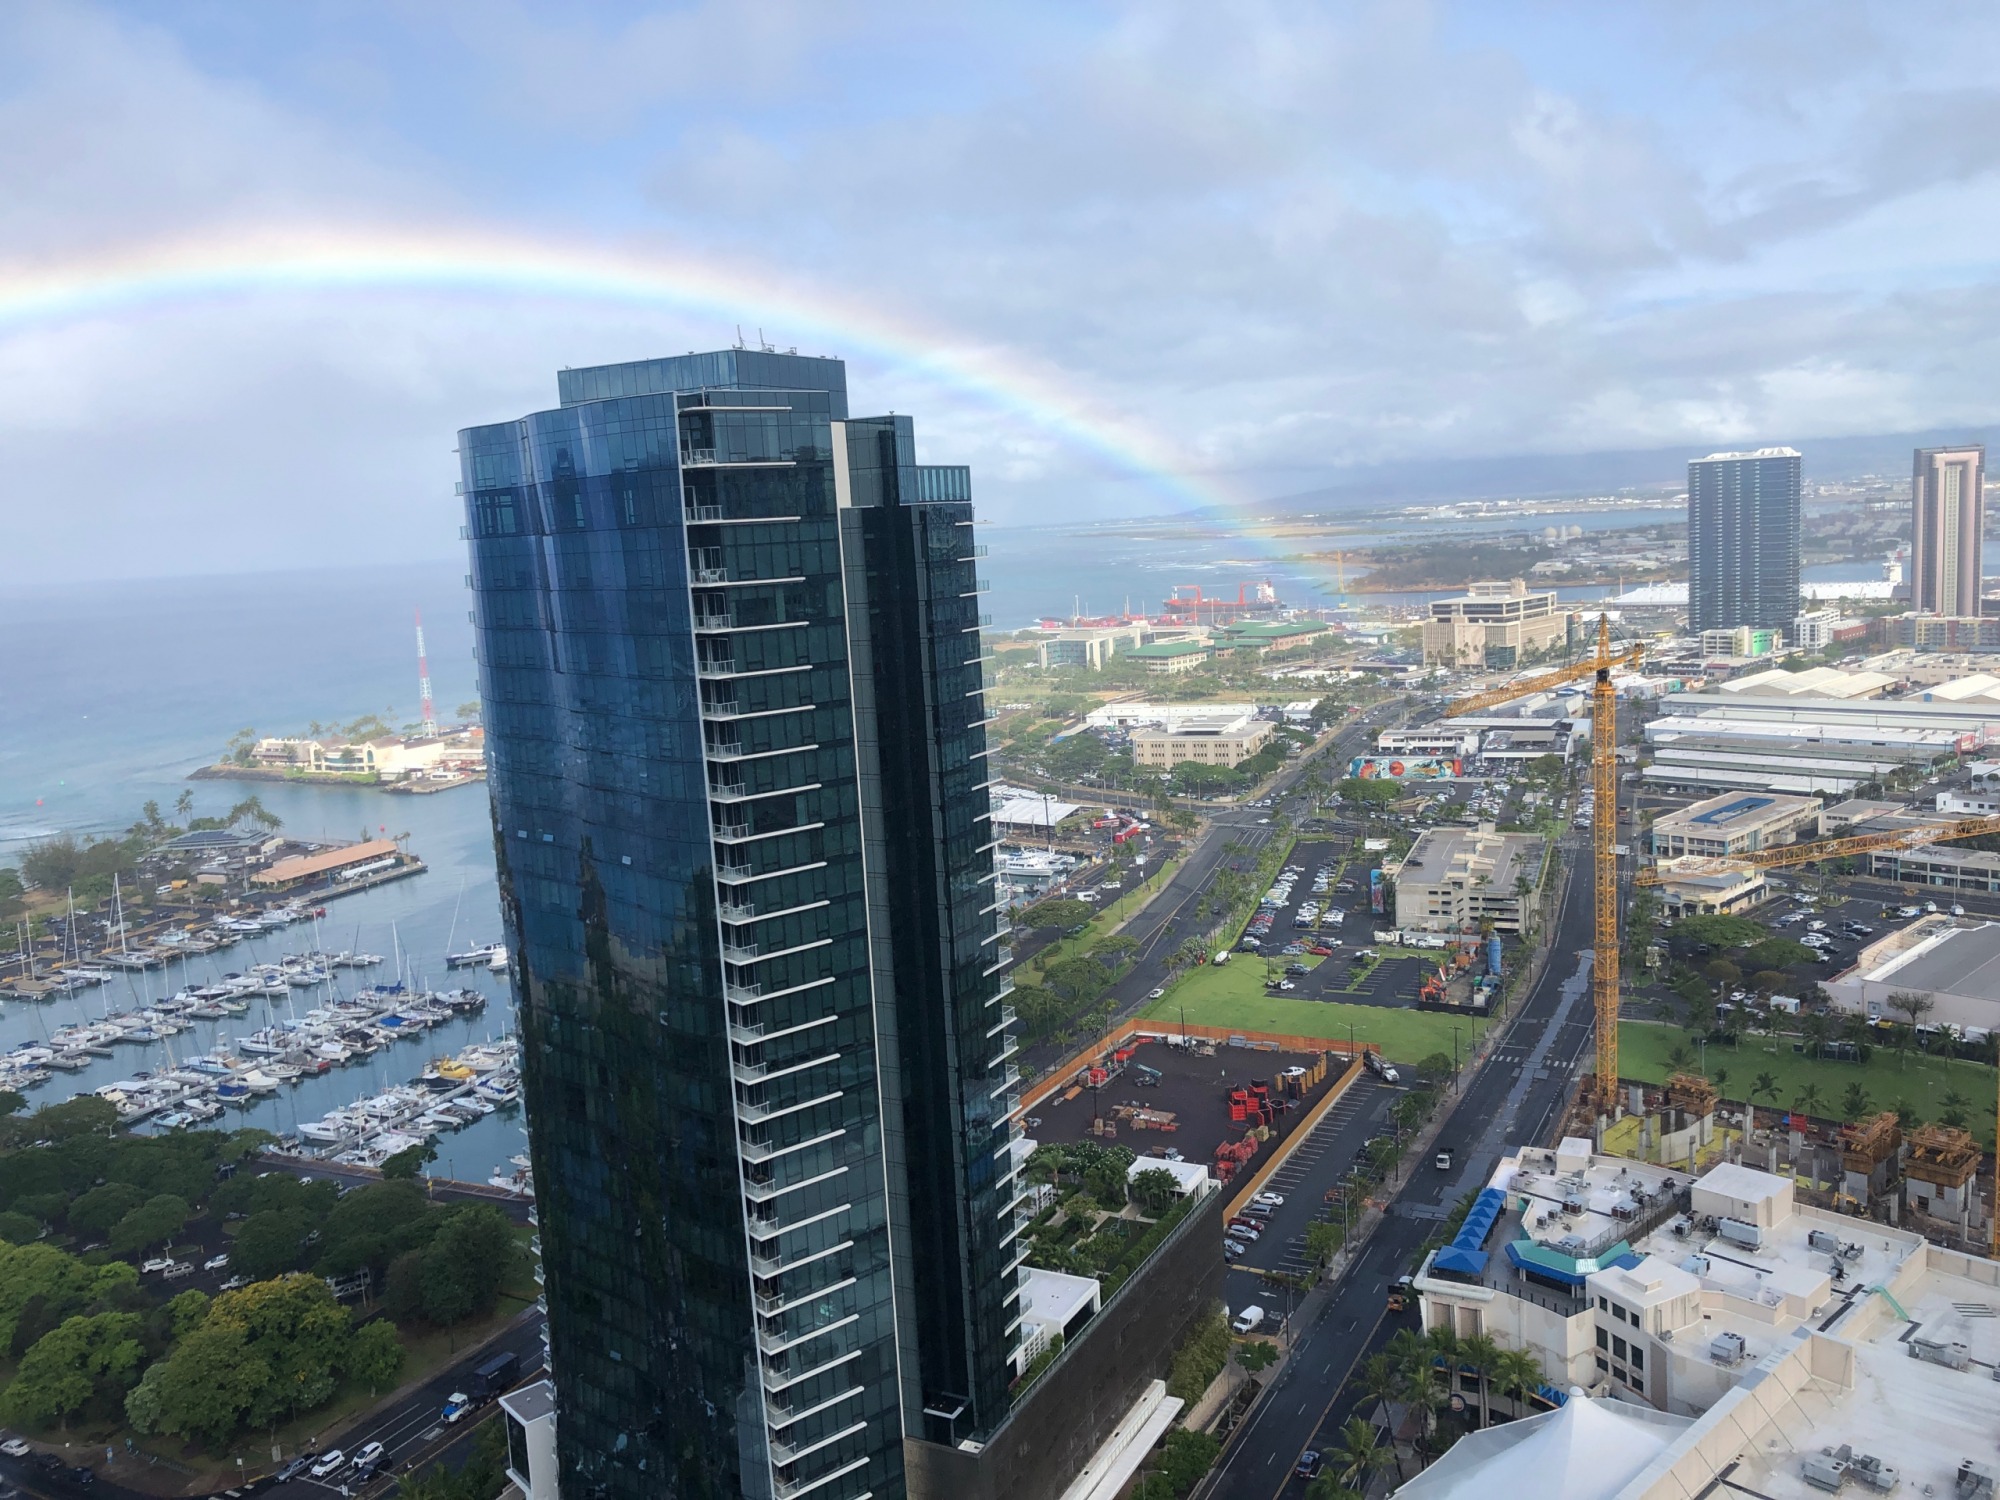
{"x":277,"y":977}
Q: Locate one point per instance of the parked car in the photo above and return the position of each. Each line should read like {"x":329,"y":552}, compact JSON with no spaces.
{"x":370,"y":1456}
{"x":158,"y":1263}
{"x":215,"y":1262}
{"x":329,"y":1463}
{"x":1273,"y":1200}
{"x":292,"y":1470}
{"x":1310,"y":1464}
{"x":15,"y":1448}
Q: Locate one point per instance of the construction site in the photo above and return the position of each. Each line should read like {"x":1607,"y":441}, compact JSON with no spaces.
{"x":1222,"y":1101}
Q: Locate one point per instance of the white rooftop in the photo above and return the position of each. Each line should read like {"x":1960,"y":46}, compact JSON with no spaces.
{"x":1587,"y":1447}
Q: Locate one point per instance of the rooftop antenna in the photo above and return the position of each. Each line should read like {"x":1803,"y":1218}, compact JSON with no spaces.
{"x":424,"y":680}
{"x":739,"y":337}
{"x":765,"y":344}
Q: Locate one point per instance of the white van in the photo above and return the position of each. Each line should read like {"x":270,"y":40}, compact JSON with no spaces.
{"x":1249,"y":1320}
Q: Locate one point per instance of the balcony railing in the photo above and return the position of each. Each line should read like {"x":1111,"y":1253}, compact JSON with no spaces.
{"x":713,"y":620}
{"x":739,"y":953}
{"x":737,"y":911}
{"x":731,"y":830}
{"x":711,"y":575}
{"x":699,"y":513}
{"x":722,"y":666}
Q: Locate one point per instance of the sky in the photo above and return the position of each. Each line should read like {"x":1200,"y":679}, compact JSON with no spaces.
{"x":258,"y":264}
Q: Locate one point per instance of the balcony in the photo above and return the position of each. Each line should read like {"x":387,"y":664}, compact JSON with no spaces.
{"x":721,"y":666}
{"x":778,"y":1414}
{"x":785,"y":1453}
{"x":798,"y":1489}
{"x":710,"y":620}
{"x":695,"y":514}
{"x":1007,"y":1018}
{"x":719,"y":708}
{"x":728,"y":831}
{"x":1009,"y":1079}
{"x":772,"y":1343}
{"x":739,"y":953}
{"x":737,"y":911}
{"x":735,"y":869}
{"x":742,"y":994}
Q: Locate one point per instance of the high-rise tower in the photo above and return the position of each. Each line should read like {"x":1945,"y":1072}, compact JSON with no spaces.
{"x":1743,"y":540}
{"x":730,"y":656}
{"x":1947,"y":530}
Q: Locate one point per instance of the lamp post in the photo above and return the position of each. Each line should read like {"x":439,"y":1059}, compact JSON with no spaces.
{"x":1454,"y":1059}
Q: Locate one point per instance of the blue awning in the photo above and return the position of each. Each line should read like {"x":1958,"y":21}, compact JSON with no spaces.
{"x":1459,"y":1261}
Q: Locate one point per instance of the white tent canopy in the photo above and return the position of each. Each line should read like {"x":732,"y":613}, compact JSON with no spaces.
{"x":1586,"y":1449}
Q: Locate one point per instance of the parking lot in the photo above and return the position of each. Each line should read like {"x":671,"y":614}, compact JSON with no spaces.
{"x":1315,"y":1165}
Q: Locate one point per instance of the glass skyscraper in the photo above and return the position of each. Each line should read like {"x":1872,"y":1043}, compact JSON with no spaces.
{"x":729,"y":648}
{"x":1743,"y":540}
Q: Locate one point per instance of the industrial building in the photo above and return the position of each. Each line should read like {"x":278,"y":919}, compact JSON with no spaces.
{"x":1133,"y":714}
{"x":1265,"y":635}
{"x":1453,"y":879}
{"x":1944,"y":866}
{"x":1717,"y":1337}
{"x":1813,"y":682}
{"x":1214,"y":740}
{"x":1954,"y":965}
{"x":1493,"y":624}
{"x":1734,"y":823}
{"x":1804,"y":745}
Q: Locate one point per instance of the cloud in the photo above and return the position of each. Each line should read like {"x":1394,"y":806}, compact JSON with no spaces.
{"x":1287,"y":240}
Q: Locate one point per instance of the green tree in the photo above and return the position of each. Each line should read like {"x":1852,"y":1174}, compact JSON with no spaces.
{"x":1256,"y":1355}
{"x":1382,"y":1382}
{"x":1854,"y":1103}
{"x":154,"y":1222}
{"x":82,"y":1359}
{"x":1954,"y":1111}
{"x":459,"y":1273}
{"x":1357,"y":1456}
{"x":1807,"y":1100}
{"x":18,"y":1228}
{"x":375,"y":1356}
{"x":95,"y":1212}
{"x":1155,"y":1190}
{"x":1763,"y":1086}
{"x":409,"y":1162}
{"x":271,"y":1243}
{"x":1517,"y":1375}
{"x":1323,"y":1241}
{"x":84,"y":1115}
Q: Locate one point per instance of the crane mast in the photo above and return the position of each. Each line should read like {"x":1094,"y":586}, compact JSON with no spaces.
{"x":1604,"y":865}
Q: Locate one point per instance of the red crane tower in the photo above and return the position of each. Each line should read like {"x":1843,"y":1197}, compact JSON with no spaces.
{"x":424,"y":679}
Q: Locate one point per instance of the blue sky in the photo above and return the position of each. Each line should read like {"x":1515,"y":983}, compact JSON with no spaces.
{"x":1287,"y":239}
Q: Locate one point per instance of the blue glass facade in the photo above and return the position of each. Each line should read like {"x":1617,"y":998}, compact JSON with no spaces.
{"x":728,"y":645}
{"x":1743,"y":540}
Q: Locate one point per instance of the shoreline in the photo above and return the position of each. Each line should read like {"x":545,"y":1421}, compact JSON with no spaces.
{"x":361,"y":781}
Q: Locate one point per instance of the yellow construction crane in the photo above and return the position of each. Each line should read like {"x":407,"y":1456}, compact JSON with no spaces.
{"x":1819,"y":849}
{"x":1603,"y":826}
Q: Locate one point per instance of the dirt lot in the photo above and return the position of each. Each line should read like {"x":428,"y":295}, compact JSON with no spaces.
{"x":1194,"y":1087}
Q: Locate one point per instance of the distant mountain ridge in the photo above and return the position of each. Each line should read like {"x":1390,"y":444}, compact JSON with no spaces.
{"x":1531,"y":476}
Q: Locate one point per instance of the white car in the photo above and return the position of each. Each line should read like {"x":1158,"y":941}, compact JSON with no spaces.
{"x":372,"y":1454}
{"x":15,"y":1448}
{"x":330,"y":1463}
{"x":234,"y":1282}
{"x":215,"y":1263}
{"x":1156,"y":994}
{"x":148,"y":1267}
{"x":1272,"y":1200}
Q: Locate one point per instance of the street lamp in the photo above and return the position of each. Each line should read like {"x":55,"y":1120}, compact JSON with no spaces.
{"x":1454,"y":1059}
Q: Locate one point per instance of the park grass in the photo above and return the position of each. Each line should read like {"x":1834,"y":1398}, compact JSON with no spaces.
{"x":1233,"y":996}
{"x":1920,"y":1080}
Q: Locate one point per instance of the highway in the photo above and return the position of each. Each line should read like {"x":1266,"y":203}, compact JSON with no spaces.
{"x":1513,"y":1101}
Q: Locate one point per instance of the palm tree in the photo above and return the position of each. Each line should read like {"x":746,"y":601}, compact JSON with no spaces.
{"x":1815,"y":1028}
{"x":184,"y":803}
{"x":1766,"y":1086}
{"x":1518,"y":1375}
{"x":1480,"y":1355}
{"x":1358,"y":1455}
{"x":1381,"y":1382}
{"x":1854,"y":1103}
{"x":1955,"y":1106}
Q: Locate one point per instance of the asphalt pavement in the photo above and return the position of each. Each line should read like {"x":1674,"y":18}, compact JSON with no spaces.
{"x":1514,"y":1101}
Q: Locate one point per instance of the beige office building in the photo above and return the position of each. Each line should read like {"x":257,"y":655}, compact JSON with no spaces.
{"x":1735,"y":823}
{"x":1455,"y":878}
{"x":1219,"y":741}
{"x":1947,"y":530}
{"x":1492,"y":624}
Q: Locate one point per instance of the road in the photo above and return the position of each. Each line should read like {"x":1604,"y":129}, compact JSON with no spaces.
{"x":1513,"y":1101}
{"x":1235,"y":834}
{"x":409,"y":1427}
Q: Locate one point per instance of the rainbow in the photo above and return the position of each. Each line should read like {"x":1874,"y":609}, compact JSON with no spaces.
{"x":224,"y":266}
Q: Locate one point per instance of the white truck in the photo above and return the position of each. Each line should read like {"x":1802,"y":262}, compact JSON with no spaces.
{"x":1249,"y":1320}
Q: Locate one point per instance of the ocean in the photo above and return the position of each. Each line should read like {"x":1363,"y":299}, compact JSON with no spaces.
{"x":110,"y":694}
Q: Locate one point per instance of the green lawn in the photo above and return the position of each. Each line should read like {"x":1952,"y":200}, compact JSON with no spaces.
{"x":1921,"y":1081}
{"x":1233,"y":995}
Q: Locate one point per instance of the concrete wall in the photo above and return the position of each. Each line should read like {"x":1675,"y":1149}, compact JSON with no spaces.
{"x":1072,"y":1408}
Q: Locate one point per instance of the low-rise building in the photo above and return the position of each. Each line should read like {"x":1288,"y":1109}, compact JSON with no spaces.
{"x":1453,"y":879}
{"x":1734,"y":823}
{"x":1946,"y":632}
{"x":1090,"y":647}
{"x":1702,"y":892}
{"x":1946,"y":867}
{"x":1954,"y":965}
{"x":1171,"y":658}
{"x":1798,"y":1349}
{"x":1493,"y":624}
{"x":1218,"y":740}
{"x":1741,"y":641}
{"x":1970,"y":804}
{"x":1265,"y":635}
{"x":1136,"y":713}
